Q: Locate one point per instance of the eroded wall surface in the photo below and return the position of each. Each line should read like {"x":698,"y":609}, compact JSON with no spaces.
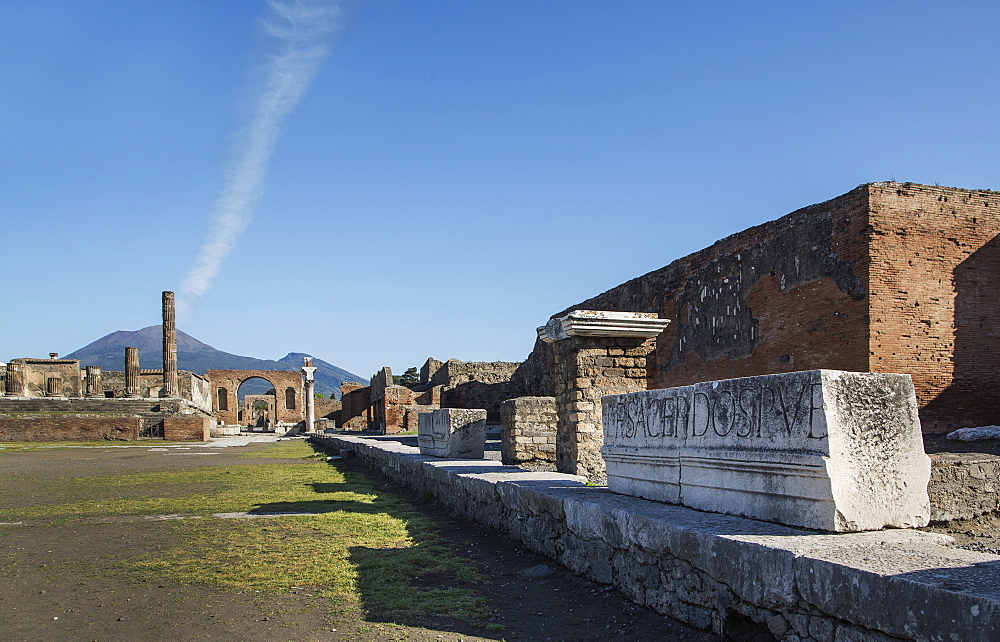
{"x":890,"y":277}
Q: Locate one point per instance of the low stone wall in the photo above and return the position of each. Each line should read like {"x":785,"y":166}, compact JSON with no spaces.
{"x":713,"y":571}
{"x":528,"y":429}
{"x":190,"y":428}
{"x":68,"y":427}
{"x":963,"y":485}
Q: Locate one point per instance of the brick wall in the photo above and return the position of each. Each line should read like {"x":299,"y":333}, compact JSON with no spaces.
{"x":190,"y":428}
{"x":69,"y":428}
{"x":935,"y":298}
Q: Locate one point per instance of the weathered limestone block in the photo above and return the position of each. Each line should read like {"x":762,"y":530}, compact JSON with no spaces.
{"x":528,"y":429}
{"x":824,"y":449}
{"x":452,"y":432}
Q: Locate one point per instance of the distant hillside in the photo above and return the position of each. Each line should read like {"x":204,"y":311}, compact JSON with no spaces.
{"x":108,"y":352}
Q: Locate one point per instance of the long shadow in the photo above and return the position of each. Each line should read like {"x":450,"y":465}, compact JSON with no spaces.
{"x":970,"y":398}
{"x":399,"y":585}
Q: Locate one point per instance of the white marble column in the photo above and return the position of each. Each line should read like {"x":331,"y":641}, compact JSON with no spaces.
{"x":309,"y":372}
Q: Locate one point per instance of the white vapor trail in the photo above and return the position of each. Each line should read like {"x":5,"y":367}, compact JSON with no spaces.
{"x":301,"y":29}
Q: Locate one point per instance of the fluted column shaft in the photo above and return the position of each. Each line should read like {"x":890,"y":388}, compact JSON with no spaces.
{"x":94,"y":388}
{"x":131,"y":372}
{"x":169,"y":346}
{"x":15,"y":380}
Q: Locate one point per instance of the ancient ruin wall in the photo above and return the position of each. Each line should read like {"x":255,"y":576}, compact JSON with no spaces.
{"x":935,"y":298}
{"x":226,"y":383}
{"x":67,"y":427}
{"x":787,"y":295}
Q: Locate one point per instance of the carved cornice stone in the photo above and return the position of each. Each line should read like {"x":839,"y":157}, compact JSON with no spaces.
{"x":600,"y":323}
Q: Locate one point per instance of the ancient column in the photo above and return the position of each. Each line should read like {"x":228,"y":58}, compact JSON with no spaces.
{"x":596,"y":353}
{"x":131,"y":372}
{"x":94,"y":388}
{"x":309,"y":372}
{"x":15,"y":380}
{"x":169,"y":347}
{"x":53,"y":387}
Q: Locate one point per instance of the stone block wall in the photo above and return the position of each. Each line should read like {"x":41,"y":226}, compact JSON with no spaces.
{"x":189,"y":428}
{"x":528,"y":430}
{"x":719,"y":572}
{"x":69,"y":427}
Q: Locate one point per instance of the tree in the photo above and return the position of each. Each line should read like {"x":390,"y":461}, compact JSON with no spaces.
{"x":319,"y":395}
{"x":409,"y":378}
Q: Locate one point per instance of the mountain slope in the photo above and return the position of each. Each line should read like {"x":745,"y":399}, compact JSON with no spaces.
{"x":108,"y":352}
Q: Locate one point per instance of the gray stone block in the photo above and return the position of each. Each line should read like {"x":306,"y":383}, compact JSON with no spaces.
{"x":823,"y":449}
{"x":453,"y":433}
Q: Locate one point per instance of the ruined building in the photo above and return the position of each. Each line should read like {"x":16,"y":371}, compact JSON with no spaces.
{"x":890,"y":277}
{"x":385,"y":407}
{"x":54,"y":400}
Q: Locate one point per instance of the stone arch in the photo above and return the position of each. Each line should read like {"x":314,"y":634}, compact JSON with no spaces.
{"x":230,"y":381}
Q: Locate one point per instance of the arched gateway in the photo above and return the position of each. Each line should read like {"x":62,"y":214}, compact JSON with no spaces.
{"x":289,"y":407}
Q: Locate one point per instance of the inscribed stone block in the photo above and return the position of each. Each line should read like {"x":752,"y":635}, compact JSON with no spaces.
{"x":824,"y":449}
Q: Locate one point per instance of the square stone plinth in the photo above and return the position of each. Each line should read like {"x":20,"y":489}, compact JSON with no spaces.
{"x":823,"y":449}
{"x":452,"y":432}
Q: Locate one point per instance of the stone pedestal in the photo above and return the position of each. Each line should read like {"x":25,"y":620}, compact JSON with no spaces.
{"x":132,"y":372}
{"x":822,"y":449}
{"x":14,"y":380}
{"x":94,"y":388}
{"x":169,"y":347}
{"x":595,"y":354}
{"x":309,"y":373}
{"x":528,"y":429}
{"x":452,"y":432}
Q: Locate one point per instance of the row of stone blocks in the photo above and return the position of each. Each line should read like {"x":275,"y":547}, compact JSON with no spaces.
{"x":702,"y":568}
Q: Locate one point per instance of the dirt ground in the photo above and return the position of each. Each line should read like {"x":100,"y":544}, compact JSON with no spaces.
{"x":63,"y":579}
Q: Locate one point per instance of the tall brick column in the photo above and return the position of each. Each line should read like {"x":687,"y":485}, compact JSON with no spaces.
{"x":94,"y":388}
{"x":15,"y":380}
{"x":309,"y":372}
{"x":169,"y":347}
{"x":131,"y":372}
{"x":596,"y":353}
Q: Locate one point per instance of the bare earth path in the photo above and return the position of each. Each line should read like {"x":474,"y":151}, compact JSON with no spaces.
{"x":68,"y":578}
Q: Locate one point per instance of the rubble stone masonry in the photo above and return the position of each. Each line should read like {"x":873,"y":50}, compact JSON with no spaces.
{"x":528,"y":429}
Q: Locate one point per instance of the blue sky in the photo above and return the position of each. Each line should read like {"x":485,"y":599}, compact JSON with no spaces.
{"x":456,"y":171}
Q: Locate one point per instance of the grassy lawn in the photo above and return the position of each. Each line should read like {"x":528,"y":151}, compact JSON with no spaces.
{"x":363,"y":551}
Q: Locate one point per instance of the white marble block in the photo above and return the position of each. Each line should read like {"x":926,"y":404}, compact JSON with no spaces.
{"x":456,"y":433}
{"x":823,"y":449}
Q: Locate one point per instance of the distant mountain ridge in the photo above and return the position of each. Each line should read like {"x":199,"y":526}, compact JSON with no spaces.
{"x":108,"y":352}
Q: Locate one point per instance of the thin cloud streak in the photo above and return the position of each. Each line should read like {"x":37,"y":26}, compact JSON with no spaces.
{"x":301,"y":30}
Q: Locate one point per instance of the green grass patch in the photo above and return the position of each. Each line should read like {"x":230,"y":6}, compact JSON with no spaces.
{"x":360,"y":547}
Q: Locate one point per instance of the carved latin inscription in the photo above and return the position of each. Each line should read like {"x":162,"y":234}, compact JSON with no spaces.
{"x":755,"y":412}
{"x":837,"y":451}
